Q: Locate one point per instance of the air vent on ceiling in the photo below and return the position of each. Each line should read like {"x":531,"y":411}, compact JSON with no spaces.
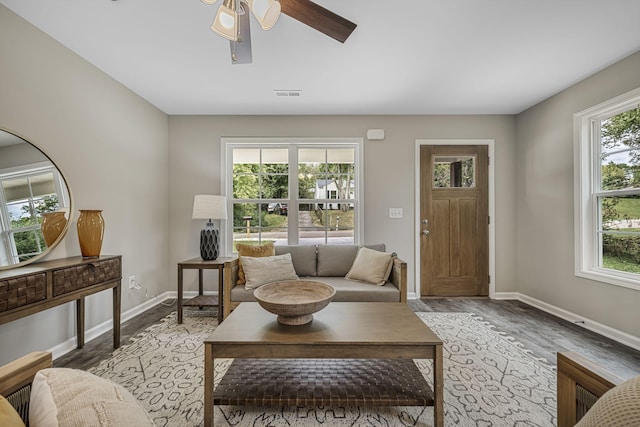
{"x":288,"y":92}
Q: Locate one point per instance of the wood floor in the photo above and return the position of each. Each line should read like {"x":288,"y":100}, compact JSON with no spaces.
{"x":538,"y":331}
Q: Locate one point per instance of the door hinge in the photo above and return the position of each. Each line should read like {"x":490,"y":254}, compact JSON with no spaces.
{"x":489,"y":279}
{"x":489,"y":220}
{"x":488,"y":160}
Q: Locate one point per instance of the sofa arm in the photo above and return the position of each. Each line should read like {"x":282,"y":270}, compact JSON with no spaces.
{"x":231,"y":269}
{"x":398,"y":277}
{"x":580,"y":383}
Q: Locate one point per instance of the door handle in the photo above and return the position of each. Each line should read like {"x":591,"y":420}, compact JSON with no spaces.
{"x":425,"y":232}
{"x":425,"y":221}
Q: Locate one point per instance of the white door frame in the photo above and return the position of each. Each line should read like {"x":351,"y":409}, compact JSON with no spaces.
{"x":492,"y":208}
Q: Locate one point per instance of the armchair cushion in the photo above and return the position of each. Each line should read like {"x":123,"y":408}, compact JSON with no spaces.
{"x":619,"y":407}
{"x":64,"y":397}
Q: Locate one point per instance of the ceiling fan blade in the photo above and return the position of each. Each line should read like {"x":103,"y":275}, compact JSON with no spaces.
{"x":318,"y":17}
{"x":241,"y":50}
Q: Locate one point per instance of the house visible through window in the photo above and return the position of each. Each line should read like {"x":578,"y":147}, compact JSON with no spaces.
{"x":608,"y":144}
{"x":293,"y":192}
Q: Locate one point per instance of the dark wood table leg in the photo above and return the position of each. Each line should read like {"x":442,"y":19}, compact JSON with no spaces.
{"x":438,"y":388}
{"x":117,"y":293}
{"x":80,"y":321}
{"x":208,"y":384}
{"x":220,"y":294}
{"x":200,"y":284}
{"x":180,"y":294}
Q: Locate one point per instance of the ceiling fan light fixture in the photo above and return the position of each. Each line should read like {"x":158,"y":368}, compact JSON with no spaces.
{"x":266,"y":12}
{"x":208,"y":1}
{"x":226,"y":22}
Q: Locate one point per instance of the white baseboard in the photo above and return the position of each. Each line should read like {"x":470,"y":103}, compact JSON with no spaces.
{"x":506,"y":295}
{"x":90,"y":334}
{"x":599,"y":328}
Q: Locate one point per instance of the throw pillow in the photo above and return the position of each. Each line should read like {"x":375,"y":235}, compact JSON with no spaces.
{"x":371,"y":266}
{"x":70,"y":397}
{"x":260,"y":271}
{"x":8,"y":415}
{"x":246,"y":250}
{"x":620,"y":406}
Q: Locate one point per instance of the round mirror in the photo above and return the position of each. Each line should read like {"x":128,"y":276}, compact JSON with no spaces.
{"x":35,"y":202}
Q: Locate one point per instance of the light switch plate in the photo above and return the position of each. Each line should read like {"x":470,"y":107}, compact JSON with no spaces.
{"x":395,"y":212}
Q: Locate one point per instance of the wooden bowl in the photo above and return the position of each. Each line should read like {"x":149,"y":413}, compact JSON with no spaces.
{"x":294,"y":301}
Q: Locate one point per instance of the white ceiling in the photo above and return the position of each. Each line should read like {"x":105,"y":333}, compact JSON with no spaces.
{"x":405,"y":57}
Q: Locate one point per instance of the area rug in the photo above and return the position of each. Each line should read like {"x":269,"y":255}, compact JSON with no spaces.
{"x":489,"y":380}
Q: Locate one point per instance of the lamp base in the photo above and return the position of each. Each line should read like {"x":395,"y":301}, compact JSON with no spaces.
{"x":209,"y":248}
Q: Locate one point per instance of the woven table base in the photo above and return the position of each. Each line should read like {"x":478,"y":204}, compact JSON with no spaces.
{"x":323,"y":382}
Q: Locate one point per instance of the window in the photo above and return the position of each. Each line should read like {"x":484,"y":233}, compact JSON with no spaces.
{"x":299,"y":192}
{"x":454,"y":171}
{"x":608,"y":200}
{"x":25,"y":194}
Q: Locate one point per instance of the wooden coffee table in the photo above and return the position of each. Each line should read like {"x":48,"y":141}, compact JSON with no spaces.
{"x":387,"y":332}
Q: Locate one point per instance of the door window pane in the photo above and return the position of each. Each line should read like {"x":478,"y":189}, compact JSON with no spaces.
{"x":454,"y":171}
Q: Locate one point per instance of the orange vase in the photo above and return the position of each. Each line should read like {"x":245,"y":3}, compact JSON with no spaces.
{"x":52,"y":225}
{"x":90,"y":232}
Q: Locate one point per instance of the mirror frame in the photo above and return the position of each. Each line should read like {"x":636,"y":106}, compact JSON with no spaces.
{"x":69,"y":220}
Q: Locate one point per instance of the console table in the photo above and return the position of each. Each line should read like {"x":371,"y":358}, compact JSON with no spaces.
{"x":202,"y":300}
{"x":40,"y":286}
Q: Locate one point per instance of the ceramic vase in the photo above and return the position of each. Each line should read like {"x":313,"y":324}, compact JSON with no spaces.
{"x":90,"y":232}
{"x":52,"y":225}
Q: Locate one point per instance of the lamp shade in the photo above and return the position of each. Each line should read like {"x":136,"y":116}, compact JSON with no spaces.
{"x":266,"y":12}
{"x":206,"y":206}
{"x":226,"y":22}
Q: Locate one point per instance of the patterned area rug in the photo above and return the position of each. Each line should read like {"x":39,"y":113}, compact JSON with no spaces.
{"x":489,"y":380}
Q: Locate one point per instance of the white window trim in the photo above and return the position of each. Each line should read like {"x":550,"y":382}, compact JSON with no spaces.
{"x":229,"y":143}
{"x":586,"y":170}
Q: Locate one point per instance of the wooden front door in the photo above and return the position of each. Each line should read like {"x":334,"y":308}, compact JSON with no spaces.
{"x":454,"y":220}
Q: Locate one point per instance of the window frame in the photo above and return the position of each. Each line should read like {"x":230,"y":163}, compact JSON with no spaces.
{"x":293,"y":144}
{"x":26,"y":171}
{"x":587,"y":178}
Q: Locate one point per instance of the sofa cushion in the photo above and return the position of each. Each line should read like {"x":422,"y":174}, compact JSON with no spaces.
{"x":346,"y":291}
{"x":619,"y":406}
{"x":263,"y":270}
{"x":335,"y":260}
{"x":303,"y":258}
{"x":371,"y":266}
{"x":8,"y":415}
{"x":257,"y":251}
{"x":352,"y":291}
{"x":69,"y":397}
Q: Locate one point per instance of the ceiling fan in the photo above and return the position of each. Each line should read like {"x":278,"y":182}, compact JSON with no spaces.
{"x":232,"y":21}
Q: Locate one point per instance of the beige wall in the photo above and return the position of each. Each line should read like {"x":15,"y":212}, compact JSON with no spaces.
{"x":545,"y":192}
{"x":111,"y":146}
{"x":194,"y":167}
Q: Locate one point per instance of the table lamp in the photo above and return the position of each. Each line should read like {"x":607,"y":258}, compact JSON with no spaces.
{"x":209,"y":207}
